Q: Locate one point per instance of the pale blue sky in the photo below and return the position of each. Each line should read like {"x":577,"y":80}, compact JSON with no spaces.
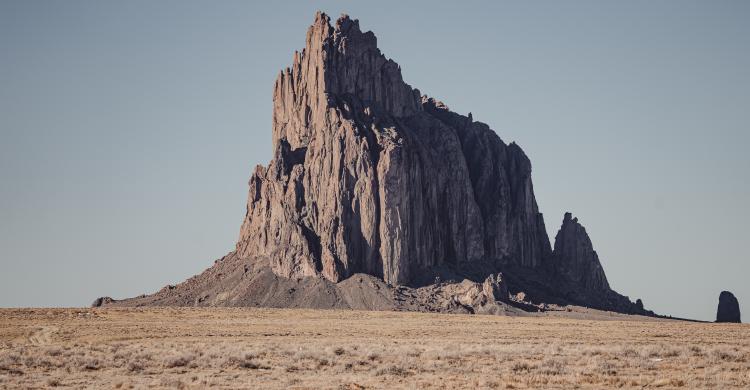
{"x":128,"y":131}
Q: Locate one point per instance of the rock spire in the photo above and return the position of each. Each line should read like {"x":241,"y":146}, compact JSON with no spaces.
{"x":729,"y":308}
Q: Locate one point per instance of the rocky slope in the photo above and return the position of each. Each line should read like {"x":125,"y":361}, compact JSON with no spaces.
{"x":372,"y":181}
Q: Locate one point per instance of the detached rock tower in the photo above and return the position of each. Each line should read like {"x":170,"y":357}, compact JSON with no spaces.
{"x":729,"y":308}
{"x":369,"y":176}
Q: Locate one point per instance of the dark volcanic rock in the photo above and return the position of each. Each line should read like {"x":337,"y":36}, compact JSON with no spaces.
{"x":369,"y":177}
{"x":729,"y":308}
{"x":575,"y":258}
{"x":578,"y":276}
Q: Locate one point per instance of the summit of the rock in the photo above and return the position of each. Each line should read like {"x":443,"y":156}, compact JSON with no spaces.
{"x":338,"y":63}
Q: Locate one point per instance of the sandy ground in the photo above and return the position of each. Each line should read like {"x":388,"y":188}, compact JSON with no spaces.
{"x":291,"y":348}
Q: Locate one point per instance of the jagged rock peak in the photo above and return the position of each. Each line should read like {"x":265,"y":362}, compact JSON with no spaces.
{"x":369,"y":178}
{"x":338,"y":62}
{"x":575,"y":257}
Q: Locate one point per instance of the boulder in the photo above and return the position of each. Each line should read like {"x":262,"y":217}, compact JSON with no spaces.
{"x":495,"y":289}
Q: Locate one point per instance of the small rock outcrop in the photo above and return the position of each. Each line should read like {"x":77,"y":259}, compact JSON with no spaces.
{"x":729,"y":308}
{"x":101,"y":301}
{"x":495,"y":289}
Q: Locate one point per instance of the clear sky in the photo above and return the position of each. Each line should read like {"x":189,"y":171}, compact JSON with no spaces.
{"x":128,"y":131}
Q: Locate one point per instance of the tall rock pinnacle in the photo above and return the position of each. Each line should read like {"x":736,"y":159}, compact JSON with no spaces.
{"x":368,"y":176}
{"x":335,"y":63}
{"x":575,"y":258}
{"x":729,"y":308}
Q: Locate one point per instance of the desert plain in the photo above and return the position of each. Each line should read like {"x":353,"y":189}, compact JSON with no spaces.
{"x":342,"y":349}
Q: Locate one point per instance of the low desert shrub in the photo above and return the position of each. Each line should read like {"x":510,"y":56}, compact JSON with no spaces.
{"x":393,"y":370}
{"x":628,"y":352}
{"x":135,"y":366}
{"x":521,"y":366}
{"x":727,"y":354}
{"x":54,"y":351}
{"x":179,"y":360}
{"x":244,"y":362}
{"x":552,"y":366}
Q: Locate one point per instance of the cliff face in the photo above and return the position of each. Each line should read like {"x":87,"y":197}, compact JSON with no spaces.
{"x":368,"y":176}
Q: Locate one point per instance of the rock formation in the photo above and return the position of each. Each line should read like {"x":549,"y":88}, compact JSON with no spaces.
{"x":580,"y":276}
{"x":102,"y":301}
{"x":495,"y":289}
{"x":729,"y":308}
{"x":370,"y":177}
{"x":575,"y":258}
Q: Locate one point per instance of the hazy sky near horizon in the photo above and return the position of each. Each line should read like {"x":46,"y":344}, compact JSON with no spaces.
{"x":128,"y":131}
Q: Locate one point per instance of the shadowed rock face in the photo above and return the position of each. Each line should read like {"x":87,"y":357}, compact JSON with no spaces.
{"x":729,"y":308}
{"x":577,"y":275}
{"x":368,"y":176}
{"x":575,"y":258}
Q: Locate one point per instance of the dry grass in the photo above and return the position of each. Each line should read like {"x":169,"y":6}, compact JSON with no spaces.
{"x":265,"y":348}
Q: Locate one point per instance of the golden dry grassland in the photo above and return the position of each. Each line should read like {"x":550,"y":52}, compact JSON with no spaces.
{"x":310,"y":349}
